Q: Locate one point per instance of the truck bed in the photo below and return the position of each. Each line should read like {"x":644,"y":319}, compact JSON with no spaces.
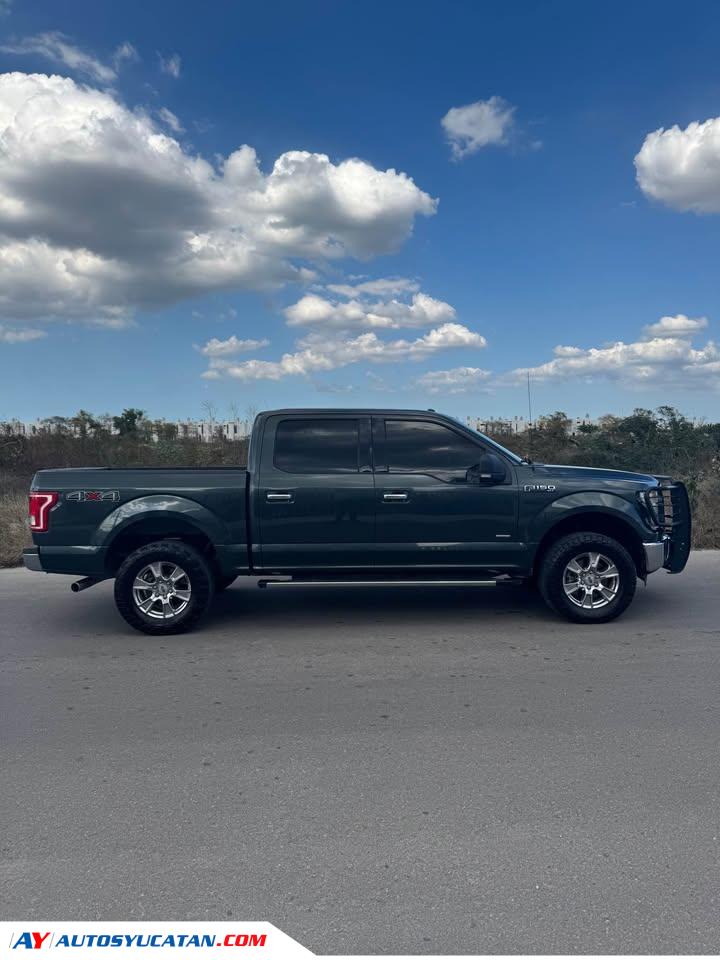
{"x":96,"y":507}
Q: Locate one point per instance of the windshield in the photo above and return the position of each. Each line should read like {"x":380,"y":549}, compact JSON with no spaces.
{"x":498,"y":446}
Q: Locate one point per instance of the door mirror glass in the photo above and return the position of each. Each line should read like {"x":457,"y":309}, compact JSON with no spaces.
{"x":489,"y":471}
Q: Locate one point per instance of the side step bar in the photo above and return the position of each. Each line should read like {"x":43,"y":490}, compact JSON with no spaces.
{"x":382,"y":583}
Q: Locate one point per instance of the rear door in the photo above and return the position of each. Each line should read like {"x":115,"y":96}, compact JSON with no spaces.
{"x":314,"y":499}
{"x":428,"y":514}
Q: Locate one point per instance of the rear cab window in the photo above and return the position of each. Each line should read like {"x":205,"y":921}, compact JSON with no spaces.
{"x":317,"y":445}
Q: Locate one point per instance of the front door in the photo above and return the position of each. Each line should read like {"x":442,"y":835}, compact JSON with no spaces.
{"x":314,"y":499}
{"x":428,"y":514}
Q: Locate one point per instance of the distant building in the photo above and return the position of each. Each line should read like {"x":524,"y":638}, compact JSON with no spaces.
{"x":205,"y":430}
{"x":17,"y":427}
{"x":514,"y":425}
{"x":214,"y":429}
{"x":233,"y":430}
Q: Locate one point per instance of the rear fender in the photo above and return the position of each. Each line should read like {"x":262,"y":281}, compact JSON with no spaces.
{"x":161,"y":507}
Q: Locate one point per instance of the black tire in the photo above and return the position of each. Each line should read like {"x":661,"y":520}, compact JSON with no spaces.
{"x":553,"y":573}
{"x":198,"y":578}
{"x":222,"y":583}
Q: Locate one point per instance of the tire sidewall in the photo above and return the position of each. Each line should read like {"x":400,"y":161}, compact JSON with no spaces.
{"x":553,"y":568}
{"x":197,"y":570}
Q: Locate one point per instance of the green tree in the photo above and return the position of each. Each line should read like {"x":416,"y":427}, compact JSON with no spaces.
{"x":554,"y":425}
{"x":165,"y":431}
{"x":84,"y":424}
{"x":59,"y":425}
{"x":128,"y":421}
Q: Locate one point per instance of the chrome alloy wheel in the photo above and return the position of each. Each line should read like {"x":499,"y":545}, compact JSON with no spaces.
{"x":161,"y":590}
{"x":591,"y":580}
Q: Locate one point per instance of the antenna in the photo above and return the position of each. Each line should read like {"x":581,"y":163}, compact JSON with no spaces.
{"x":529,"y":400}
{"x":530,"y":427}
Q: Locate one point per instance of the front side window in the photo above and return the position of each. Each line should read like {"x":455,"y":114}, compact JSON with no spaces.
{"x":418,"y":446}
{"x":317,"y":446}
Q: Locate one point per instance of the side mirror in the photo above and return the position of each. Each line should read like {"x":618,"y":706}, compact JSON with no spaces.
{"x":490,"y":471}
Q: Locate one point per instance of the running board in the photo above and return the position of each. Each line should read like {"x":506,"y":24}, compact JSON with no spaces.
{"x":381,"y":583}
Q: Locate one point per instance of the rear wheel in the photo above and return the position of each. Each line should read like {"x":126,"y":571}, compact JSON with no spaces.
{"x":164,"y":588}
{"x":587,"y":578}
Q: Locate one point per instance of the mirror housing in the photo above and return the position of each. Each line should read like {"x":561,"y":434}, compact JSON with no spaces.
{"x":489,"y":472}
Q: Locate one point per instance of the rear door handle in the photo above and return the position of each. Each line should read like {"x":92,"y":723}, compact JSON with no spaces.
{"x":279,"y":497}
{"x":395,"y":497}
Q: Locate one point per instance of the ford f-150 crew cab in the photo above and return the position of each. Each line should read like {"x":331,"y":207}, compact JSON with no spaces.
{"x":357,"y":496}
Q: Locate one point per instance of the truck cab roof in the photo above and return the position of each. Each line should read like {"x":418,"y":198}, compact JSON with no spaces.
{"x":348,"y":411}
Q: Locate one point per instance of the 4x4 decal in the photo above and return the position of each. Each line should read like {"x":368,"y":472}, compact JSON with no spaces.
{"x":88,"y":496}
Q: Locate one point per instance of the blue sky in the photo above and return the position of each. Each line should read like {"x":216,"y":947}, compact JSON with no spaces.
{"x":139,"y":266}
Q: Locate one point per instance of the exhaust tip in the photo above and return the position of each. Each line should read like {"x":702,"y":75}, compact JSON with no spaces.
{"x":83,"y":584}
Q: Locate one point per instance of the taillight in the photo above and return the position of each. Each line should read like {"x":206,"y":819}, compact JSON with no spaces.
{"x":40,"y":506}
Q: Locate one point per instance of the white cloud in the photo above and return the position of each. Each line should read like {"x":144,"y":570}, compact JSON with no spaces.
{"x":567,"y":351}
{"x":20,"y":336}
{"x":681,"y":168}
{"x":666,"y":357}
{"x":384,"y":287}
{"x":423,"y":311}
{"x":662,"y":360}
{"x":170,"y":120}
{"x":334,"y":387}
{"x":378,"y":383}
{"x":38,"y":281}
{"x":170,"y":65}
{"x":476,"y":125}
{"x":125,"y":53}
{"x":101,"y":212}
{"x":456,"y":380}
{"x":58,"y":48}
{"x":5,"y":7}
{"x":670,"y":327}
{"x":317,"y":352}
{"x":320,"y":209}
{"x":224,"y":348}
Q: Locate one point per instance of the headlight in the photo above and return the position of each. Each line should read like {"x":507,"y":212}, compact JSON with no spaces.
{"x":651,"y":499}
{"x":657,"y":503}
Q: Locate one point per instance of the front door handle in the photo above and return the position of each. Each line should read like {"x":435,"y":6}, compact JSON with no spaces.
{"x":395,"y":497}
{"x":283,"y":497}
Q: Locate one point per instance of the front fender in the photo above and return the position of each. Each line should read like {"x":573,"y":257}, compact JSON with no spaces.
{"x":587,"y":502}
{"x":163,"y":507}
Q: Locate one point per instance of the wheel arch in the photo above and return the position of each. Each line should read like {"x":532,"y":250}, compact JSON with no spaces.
{"x":159,"y":517}
{"x":153,"y":528}
{"x":593,"y":521}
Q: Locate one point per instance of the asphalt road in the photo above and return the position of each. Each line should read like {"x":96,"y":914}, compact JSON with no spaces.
{"x":387,"y":770}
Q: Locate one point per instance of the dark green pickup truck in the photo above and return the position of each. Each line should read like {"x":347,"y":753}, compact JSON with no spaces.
{"x":358,"y":496}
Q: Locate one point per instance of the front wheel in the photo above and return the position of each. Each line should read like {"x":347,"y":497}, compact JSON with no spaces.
{"x":587,"y":578}
{"x":164,"y":587}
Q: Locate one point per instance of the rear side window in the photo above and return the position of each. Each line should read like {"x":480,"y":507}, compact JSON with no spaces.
{"x":317,"y":446}
{"x":418,"y":446}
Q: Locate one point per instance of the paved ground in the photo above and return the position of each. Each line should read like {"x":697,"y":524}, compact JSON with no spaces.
{"x":391,"y":770}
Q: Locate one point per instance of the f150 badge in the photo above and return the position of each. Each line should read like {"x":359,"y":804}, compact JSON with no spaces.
{"x":539,"y":488}
{"x":93,"y":496}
